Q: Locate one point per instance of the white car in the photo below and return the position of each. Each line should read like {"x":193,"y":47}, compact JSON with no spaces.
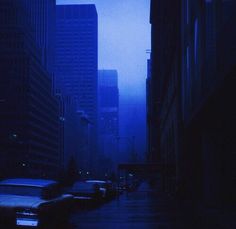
{"x":32,"y":202}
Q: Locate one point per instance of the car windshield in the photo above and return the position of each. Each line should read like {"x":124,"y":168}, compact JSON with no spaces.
{"x":101,"y":183}
{"x":20,"y":190}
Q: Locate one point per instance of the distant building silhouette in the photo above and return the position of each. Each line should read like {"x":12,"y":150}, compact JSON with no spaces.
{"x":29,"y":122}
{"x":77,"y":60}
{"x":152,"y":154}
{"x":84,"y":144}
{"x":193,"y":95}
{"x":69,"y":130}
{"x":108,"y":94}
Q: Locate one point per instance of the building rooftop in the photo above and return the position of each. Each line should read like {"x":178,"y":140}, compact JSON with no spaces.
{"x":73,"y":11}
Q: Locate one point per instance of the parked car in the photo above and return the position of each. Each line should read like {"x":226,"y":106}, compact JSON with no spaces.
{"x":107,"y":188}
{"x":100,"y":185}
{"x":32,"y":202}
{"x":85,"y":194}
{"x":128,"y":185}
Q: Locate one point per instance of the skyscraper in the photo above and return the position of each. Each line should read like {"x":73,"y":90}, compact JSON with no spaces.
{"x":76,"y":60}
{"x":108,"y":113}
{"x":193,"y":92}
{"x":29,"y":120}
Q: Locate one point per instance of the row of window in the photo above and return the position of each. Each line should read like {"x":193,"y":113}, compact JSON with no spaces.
{"x":200,"y":47}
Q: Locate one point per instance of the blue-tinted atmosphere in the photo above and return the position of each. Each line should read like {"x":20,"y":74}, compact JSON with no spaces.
{"x":124,"y":36}
{"x":117,"y":114}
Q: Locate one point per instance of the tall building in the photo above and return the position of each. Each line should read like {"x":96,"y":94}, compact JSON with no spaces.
{"x":29,"y":122}
{"x":84,"y":144}
{"x":193,"y":76}
{"x":165,"y":82}
{"x":152,"y":155}
{"x":77,"y":61}
{"x":69,"y":131}
{"x":39,"y":15}
{"x":208,"y":81}
{"x":108,"y":94}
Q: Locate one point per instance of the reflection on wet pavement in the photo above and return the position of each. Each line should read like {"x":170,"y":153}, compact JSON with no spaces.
{"x":142,"y":209}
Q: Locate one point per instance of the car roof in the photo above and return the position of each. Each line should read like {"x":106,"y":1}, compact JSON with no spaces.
{"x":28,"y":182}
{"x":96,"y":181}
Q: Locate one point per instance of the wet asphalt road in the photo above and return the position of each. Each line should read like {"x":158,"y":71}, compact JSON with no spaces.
{"x":142,"y":209}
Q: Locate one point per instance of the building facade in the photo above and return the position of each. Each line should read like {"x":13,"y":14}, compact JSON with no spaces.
{"x":108,"y":94}
{"x":69,"y":130}
{"x":29,"y":125}
{"x":164,"y":100}
{"x":193,"y":76}
{"x":208,"y":78}
{"x":77,"y":61}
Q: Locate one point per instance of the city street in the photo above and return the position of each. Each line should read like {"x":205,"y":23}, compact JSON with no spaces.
{"x":142,"y":209}
{"x":101,"y":97}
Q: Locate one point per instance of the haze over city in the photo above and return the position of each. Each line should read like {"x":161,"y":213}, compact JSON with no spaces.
{"x":117,"y":114}
{"x":124,"y":36}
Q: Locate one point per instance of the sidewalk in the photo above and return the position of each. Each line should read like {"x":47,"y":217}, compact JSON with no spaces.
{"x":142,"y":209}
{"x":148,"y":208}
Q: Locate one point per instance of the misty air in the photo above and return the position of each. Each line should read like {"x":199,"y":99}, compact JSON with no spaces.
{"x":117,"y":114}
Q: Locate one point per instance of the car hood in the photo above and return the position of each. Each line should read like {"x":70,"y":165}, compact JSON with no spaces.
{"x":12,"y":201}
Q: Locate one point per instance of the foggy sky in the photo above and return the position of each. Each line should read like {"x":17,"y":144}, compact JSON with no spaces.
{"x":124,"y":35}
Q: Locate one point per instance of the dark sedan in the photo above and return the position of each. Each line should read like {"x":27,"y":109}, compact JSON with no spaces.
{"x":85,"y":194}
{"x":32,"y":202}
